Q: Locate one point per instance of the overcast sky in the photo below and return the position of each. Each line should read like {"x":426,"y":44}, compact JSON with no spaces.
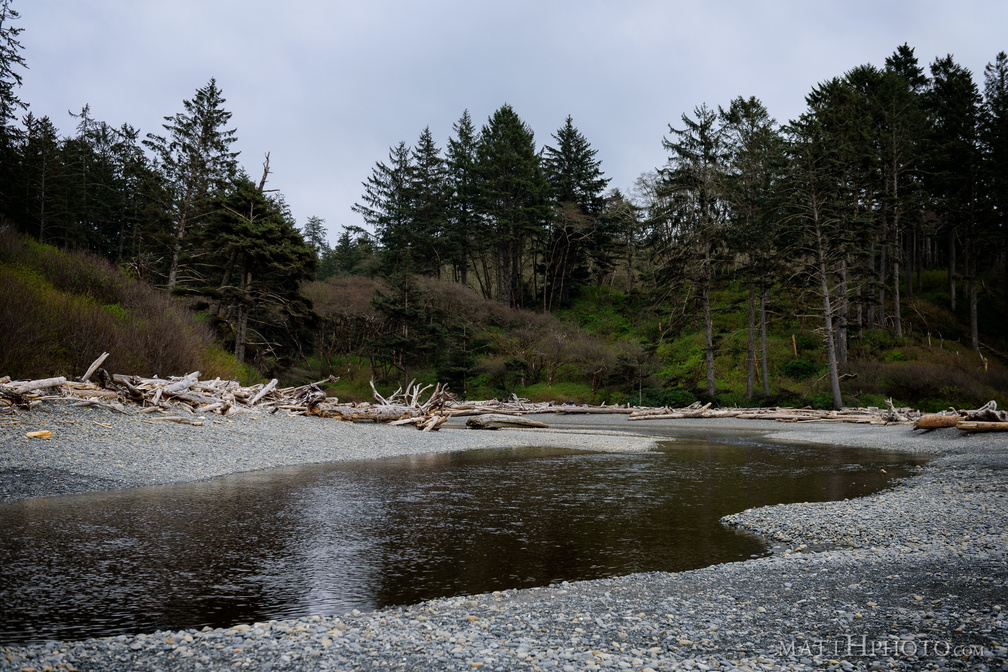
{"x":327,"y":86}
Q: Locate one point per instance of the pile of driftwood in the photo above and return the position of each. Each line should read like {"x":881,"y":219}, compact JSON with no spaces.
{"x":185,"y":399}
{"x":984,"y":419}
{"x":872,"y":416}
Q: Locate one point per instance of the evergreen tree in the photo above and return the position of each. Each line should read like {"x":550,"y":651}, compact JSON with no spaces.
{"x":994,"y":133}
{"x":429,"y":194}
{"x":413,"y":331}
{"x":623,"y":218}
{"x":513,"y":199}
{"x":41,"y":169}
{"x":577,"y":227}
{"x":314,"y":233}
{"x":197,"y":162}
{"x":901,"y":128}
{"x":692,"y":184}
{"x":11,"y":62}
{"x":846,"y":122}
{"x":462,"y":231}
{"x":259,"y":261}
{"x":953,"y":165}
{"x":752,"y":184}
{"x":816,"y":210}
{"x":387,"y":208}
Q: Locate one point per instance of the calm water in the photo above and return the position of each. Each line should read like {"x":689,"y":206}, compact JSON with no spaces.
{"x":327,"y":539}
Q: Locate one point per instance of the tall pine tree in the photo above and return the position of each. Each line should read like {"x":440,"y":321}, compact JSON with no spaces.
{"x":577,"y":228}
{"x":196,"y":160}
{"x":462,"y":227}
{"x":513,"y":199}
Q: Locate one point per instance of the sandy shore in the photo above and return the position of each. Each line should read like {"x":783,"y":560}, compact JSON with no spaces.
{"x":917,"y":578}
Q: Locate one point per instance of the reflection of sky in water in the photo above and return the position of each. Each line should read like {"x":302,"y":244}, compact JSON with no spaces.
{"x":327,"y":539}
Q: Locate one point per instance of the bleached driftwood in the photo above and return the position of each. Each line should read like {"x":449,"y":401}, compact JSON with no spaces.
{"x":500,"y":421}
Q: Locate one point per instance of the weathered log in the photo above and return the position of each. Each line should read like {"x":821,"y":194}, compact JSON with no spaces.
{"x":263,"y":392}
{"x":94,"y":366}
{"x":184,"y":384}
{"x":93,"y":392}
{"x":499,"y":421}
{"x":40,"y":384}
{"x":988,"y":413}
{"x":383,"y":413}
{"x":976,"y":426}
{"x":936,"y":421}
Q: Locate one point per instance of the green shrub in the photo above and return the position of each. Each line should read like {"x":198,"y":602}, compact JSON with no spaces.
{"x":801,"y":369}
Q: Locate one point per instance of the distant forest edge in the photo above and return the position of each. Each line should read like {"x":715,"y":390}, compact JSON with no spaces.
{"x":856,"y":253}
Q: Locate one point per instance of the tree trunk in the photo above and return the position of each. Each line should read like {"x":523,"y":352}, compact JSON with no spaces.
{"x":764,"y":298}
{"x":751,"y":344}
{"x":843,"y":315}
{"x":870,"y":301}
{"x":881,"y":279}
{"x":708,"y":340}
{"x":971,"y":266}
{"x":952,"y":268}
{"x":831,"y":356}
{"x":897,"y":312}
{"x":241,"y":328}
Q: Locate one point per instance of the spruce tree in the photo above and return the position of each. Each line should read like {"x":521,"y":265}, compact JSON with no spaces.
{"x":692,"y":183}
{"x":314,"y":233}
{"x":754,"y":172}
{"x":429,"y":195}
{"x":513,"y":199}
{"x":994,"y":134}
{"x":11,"y":62}
{"x":577,"y":228}
{"x":255,"y":264}
{"x":41,"y":174}
{"x":953,"y":169}
{"x":196,"y":160}
{"x":387,"y":207}
{"x":462,"y":230}
{"x":816,"y":214}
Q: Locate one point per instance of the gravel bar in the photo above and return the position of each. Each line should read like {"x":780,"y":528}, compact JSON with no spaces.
{"x":912,"y":578}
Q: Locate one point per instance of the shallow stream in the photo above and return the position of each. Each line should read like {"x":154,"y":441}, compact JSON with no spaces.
{"x":326,"y":539}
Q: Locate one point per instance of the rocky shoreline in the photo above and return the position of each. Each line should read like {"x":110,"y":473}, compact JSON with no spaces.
{"x":916,"y":577}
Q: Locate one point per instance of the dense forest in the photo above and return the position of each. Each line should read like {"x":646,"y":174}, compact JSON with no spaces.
{"x":857,"y":251}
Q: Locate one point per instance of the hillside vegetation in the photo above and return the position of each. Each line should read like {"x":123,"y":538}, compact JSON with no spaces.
{"x":60,"y":310}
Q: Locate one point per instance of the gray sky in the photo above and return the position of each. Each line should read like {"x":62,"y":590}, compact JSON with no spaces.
{"x":327,"y":86}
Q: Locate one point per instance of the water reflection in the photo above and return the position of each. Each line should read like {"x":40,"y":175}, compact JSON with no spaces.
{"x":327,"y":539}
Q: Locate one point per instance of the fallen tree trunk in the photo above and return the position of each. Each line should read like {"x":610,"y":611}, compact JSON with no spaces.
{"x":501,"y":421}
{"x":40,"y":384}
{"x":971,"y":426}
{"x":380,"y":413}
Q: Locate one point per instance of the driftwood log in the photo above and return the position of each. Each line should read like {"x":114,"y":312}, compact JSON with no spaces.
{"x":987,"y":418}
{"x":500,"y":421}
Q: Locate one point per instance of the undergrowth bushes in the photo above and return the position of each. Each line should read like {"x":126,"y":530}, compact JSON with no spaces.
{"x":61,"y":310}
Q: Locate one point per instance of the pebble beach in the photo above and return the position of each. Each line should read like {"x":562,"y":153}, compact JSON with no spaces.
{"x":912,"y":578}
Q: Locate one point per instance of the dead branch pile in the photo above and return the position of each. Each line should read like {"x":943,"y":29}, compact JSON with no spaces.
{"x":984,"y":419}
{"x":183,"y":398}
{"x":873,"y":416}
